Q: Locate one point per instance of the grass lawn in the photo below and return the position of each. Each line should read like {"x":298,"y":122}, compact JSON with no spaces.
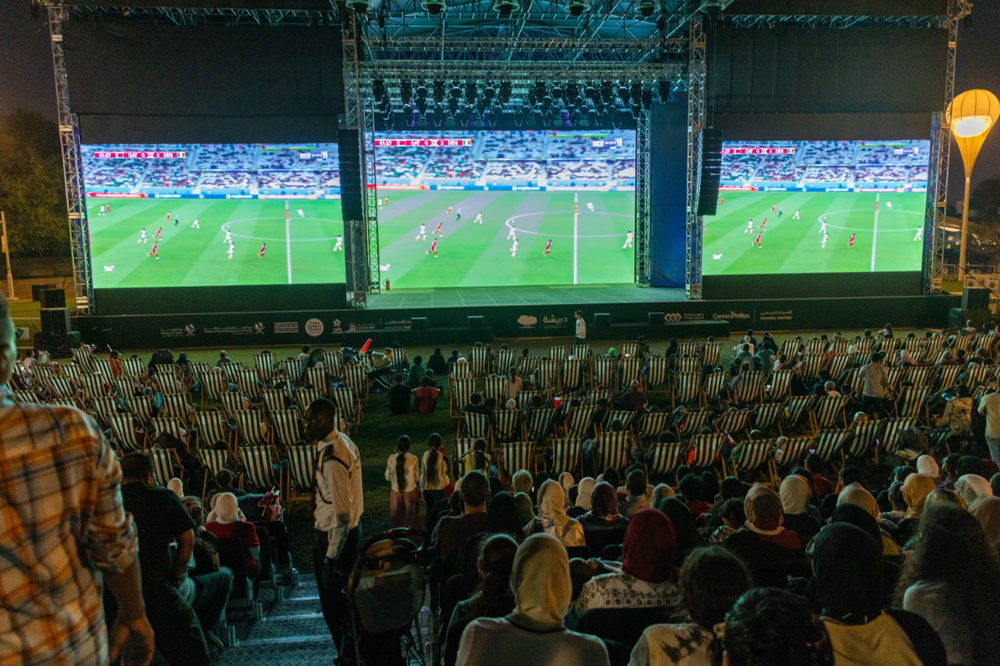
{"x":884,"y":240}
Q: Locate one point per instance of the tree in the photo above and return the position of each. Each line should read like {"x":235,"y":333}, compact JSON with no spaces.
{"x":31,"y":186}
{"x":985,"y":200}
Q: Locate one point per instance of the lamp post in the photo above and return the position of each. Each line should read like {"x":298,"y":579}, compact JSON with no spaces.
{"x":971,"y":116}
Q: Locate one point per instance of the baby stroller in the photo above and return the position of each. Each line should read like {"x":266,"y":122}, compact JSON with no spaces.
{"x":386,"y":592}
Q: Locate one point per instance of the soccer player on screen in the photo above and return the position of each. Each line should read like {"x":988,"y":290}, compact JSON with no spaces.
{"x":825,"y":236}
{"x":773,"y":206}
{"x":876,"y":206}
{"x":229,"y":237}
{"x":434,"y":249}
{"x":386,"y":202}
{"x":177,"y":219}
{"x":781,"y":209}
{"x":231,"y":249}
{"x":920,"y":235}
{"x":513,"y":248}
{"x":850,"y":243}
{"x":628,"y":240}
{"x":548,"y":247}
{"x":301,"y":213}
{"x":107,"y":209}
{"x":822,"y":227}
{"x":422,"y":233}
{"x":142,"y":237}
{"x":168,"y":216}
{"x":437,"y":230}
{"x":749,"y":227}
{"x":590,"y":207}
{"x":450,"y":209}
{"x":796,"y":216}
{"x":339,"y":245}
{"x":722,"y":200}
{"x":763,"y":224}
{"x":195,"y":225}
{"x":479,"y":218}
{"x":263,"y":247}
{"x":757,"y":242}
{"x":888,"y":204}
{"x":152,"y":253}
{"x":512,"y":233}
{"x":458,"y":215}
{"x":101,"y":211}
{"x":158,"y":232}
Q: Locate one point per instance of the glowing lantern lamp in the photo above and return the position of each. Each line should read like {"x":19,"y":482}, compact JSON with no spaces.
{"x":971,"y":116}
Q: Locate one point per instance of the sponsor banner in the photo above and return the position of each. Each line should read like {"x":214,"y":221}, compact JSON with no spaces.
{"x":767,"y":316}
{"x":397,"y":325}
{"x":314,"y":327}
{"x":286,"y":327}
{"x":249,"y":330}
{"x":118,"y":195}
{"x":672,"y":317}
{"x":733,"y":316}
{"x":551,"y":322}
{"x":527,"y":322}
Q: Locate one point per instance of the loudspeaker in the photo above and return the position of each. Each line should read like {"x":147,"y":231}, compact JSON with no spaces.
{"x":55,"y":321}
{"x":37,"y":289}
{"x":711,"y":171}
{"x":602,"y":319}
{"x":419,"y":323}
{"x":476,"y":321}
{"x":654,"y":318}
{"x":352,"y":199}
{"x":53,"y":298}
{"x":975,"y":298}
{"x":58,"y":346}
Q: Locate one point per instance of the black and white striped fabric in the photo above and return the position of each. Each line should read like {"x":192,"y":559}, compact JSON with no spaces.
{"x":258,"y":463}
{"x":356,"y":377}
{"x":217,"y":460}
{"x":829,"y":411}
{"x":864,"y":437}
{"x":768,"y":414}
{"x":507,"y":425}
{"x":134,"y":367}
{"x":462,"y":446}
{"x":29,"y":398}
{"x":163,"y":464}
{"x":293,"y":368}
{"x":912,"y":401}
{"x":496,"y":388}
{"x":614,"y":449}
{"x":265,"y":365}
{"x":749,"y":388}
{"x":566,"y":455}
{"x":212,"y":428}
{"x":214,"y":385}
{"x":479,"y":361}
{"x":539,"y":423}
{"x":653,"y":423}
{"x":305,"y":397}
{"x":61,"y":387}
{"x":663,"y":459}
{"x":315,"y":378}
{"x":140,"y":407}
{"x":949,"y":375}
{"x":838,"y":364}
{"x":168,"y":425}
{"x":232,"y":403}
{"x":301,"y":460}
{"x":687,"y":388}
{"x":252,"y":426}
{"x":547,"y":375}
{"x":631,"y":370}
{"x":711,"y":353}
{"x":795,"y":449}
{"x":274,"y":400}
{"x":287,"y":426}
{"x":657,"y":372}
{"x":476,"y":425}
{"x":707,"y":449}
{"x":399,"y":359}
{"x":504,"y":360}
{"x":750,"y":456}
{"x":827,"y":443}
{"x":517,"y":456}
{"x":580,"y":421}
{"x":123,"y":427}
{"x":347,"y":403}
{"x":733,"y":422}
{"x":690,"y":364}
{"x":558,"y":353}
{"x":715,"y":382}
{"x":333,"y":361}
{"x":797,"y":408}
{"x":811,"y":366}
{"x":625,"y":417}
{"x":606,"y":371}
{"x":895,"y":377}
{"x":694,"y":421}
{"x":176,"y":406}
{"x":573,"y":373}
{"x":891,"y":441}
{"x":94,"y":386}
{"x":780,"y":382}
{"x":462,"y":391}
{"x":628,"y":349}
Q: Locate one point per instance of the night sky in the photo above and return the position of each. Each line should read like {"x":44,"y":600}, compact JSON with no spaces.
{"x":26,"y":71}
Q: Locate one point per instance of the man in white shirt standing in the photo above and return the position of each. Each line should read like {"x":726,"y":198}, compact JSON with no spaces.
{"x":337,"y":503}
{"x":581,"y":329}
{"x":990,"y":406}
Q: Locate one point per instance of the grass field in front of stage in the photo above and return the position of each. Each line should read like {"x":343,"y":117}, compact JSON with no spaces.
{"x":586,"y":246}
{"x":300,"y":252}
{"x":884,"y":242}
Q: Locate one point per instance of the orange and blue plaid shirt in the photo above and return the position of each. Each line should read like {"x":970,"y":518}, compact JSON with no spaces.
{"x":61,"y":520}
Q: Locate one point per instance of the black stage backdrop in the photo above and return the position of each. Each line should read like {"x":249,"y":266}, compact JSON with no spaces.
{"x":208,"y":84}
{"x":668,"y":186}
{"x":840,"y":7}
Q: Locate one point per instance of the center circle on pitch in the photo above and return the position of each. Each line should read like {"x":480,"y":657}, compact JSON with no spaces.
{"x":568,"y":212}
{"x":822,"y":218}
{"x":226,"y":227}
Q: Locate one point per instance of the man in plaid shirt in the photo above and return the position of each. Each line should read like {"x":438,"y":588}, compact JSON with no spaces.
{"x":62,"y":522}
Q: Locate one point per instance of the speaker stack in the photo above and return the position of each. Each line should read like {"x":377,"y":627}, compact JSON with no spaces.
{"x":57,"y":336}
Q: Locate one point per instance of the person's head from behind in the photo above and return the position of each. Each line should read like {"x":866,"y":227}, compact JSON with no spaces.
{"x":710,"y":581}
{"x":616,"y":425}
{"x":814,"y":463}
{"x":732,"y":513}
{"x":475,"y":490}
{"x":690,"y":487}
{"x":320,"y":419}
{"x":770,"y":627}
{"x":541,"y":584}
{"x":398,"y":378}
{"x":949,"y":466}
{"x":635,"y":483}
{"x":137,"y":467}
{"x":418,"y":360}
{"x":476,"y":399}
{"x":425,"y":381}
{"x":496,"y":561}
{"x":305,"y":349}
{"x":611,"y":475}
{"x":850,"y":474}
{"x":604,"y":500}
{"x":224,"y":479}
{"x":195,"y":509}
{"x":968,"y":465}
{"x":522,"y":482}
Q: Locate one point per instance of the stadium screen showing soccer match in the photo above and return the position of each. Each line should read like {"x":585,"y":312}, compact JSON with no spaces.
{"x":197,"y":215}
{"x":818,"y":207}
{"x":492,"y":208}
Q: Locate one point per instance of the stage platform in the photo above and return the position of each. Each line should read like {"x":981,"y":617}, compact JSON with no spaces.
{"x":470,"y":297}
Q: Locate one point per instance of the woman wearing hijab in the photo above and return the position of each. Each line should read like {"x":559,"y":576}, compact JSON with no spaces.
{"x":502,"y":516}
{"x":856,"y":496}
{"x":987,"y":511}
{"x":952,"y":579}
{"x":603,"y":526}
{"x":176,"y":486}
{"x":972,"y":486}
{"x":927,"y":466}
{"x":794,"y":493}
{"x":916,"y":488}
{"x":685,"y":528}
{"x":647,"y":576}
{"x":851,"y":593}
{"x":226,"y":521}
{"x":535,"y":630}
{"x":584,"y":494}
{"x":710,"y":582}
{"x":659,"y":492}
{"x":552,"y":518}
{"x":525,"y":508}
{"x":566,"y":480}
{"x":765,"y":545}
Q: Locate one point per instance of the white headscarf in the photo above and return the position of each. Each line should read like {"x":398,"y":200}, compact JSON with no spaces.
{"x":928,"y":466}
{"x":540,"y":582}
{"x":584,"y":493}
{"x":225,"y":510}
{"x":659,"y":492}
{"x":972,"y":486}
{"x":794,"y":493}
{"x":176,"y":486}
{"x":858,"y":495}
{"x":552,"y":508}
{"x":566,"y":480}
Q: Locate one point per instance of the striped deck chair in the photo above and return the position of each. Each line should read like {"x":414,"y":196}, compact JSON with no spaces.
{"x":479,"y":362}
{"x":890,"y":442}
{"x":400,"y":361}
{"x":653,"y":423}
{"x":105,"y":408}
{"x":689,"y":365}
{"x":124,"y":386}
{"x":496,"y":388}
{"x":912,"y":401}
{"x":811,"y":365}
{"x":94,"y":386}
{"x":177,"y":407}
{"x":789,"y":348}
{"x":123,"y":426}
{"x":356,"y":377}
{"x":63,"y":403}
{"x":60,"y":387}
{"x":573,"y":374}
{"x":628,"y":349}
{"x":750,"y":388}
{"x":656,"y":374}
{"x":252,"y":426}
{"x":977,"y":375}
{"x":287,"y":426}
{"x":333,"y":361}
{"x":305,"y":397}
{"x":838,"y":364}
{"x":504,"y":360}
{"x":461,"y":395}
{"x":895,"y":377}
{"x":347,"y":404}
{"x":865,"y":345}
{"x":140,"y":407}
{"x":932,"y":347}
{"x":315,"y":377}
{"x":566,"y":455}
{"x":258,"y":462}
{"x":274,"y":400}
{"x":517,"y":456}
{"x":780,"y":381}
{"x":949,"y":375}
{"x":301,"y":461}
{"x":462,"y":446}
{"x":460,"y":371}
{"x":28,"y":398}
{"x":694,"y":422}
{"x":714,"y":384}
{"x":214,"y":385}
{"x":293,"y":368}
{"x":827,"y":411}
{"x":133,"y":367}
{"x":580,"y":421}
{"x":212,"y":428}
{"x":795,"y":450}
{"x":507,"y":425}
{"x":839,"y":346}
{"x":599,"y":397}
{"x":83,"y":358}
{"x":827,"y":443}
{"x":580,"y":351}
{"x":687,"y":389}
{"x":663,"y":459}
{"x":526,"y":365}
{"x":863,"y":359}
{"x":547,"y":375}
{"x":559,"y":353}
{"x":964,"y":341}
{"x":941,"y":357}
{"x":538,"y":425}
{"x":606,"y":371}
{"x":733,"y":422}
{"x":232,"y":403}
{"x":751,"y":456}
{"x":711,"y":354}
{"x":864,"y":437}
{"x":475,"y":425}
{"x":265,"y":365}
{"x":768,"y":414}
{"x":626,"y":417}
{"x":216,"y":460}
{"x":938,"y":438}
{"x":524,"y":398}
{"x":796,"y":409}
{"x":614,"y":449}
{"x":920,"y":375}
{"x":74,"y":372}
{"x":707,"y":449}
{"x":168,"y":425}
{"x":688,"y":349}
{"x":164,"y":463}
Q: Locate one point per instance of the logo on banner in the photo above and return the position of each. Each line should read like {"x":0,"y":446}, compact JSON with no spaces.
{"x":314,"y":327}
{"x":731,"y":315}
{"x":776,"y":315}
{"x":672,"y":317}
{"x":336,"y":327}
{"x":527,"y":321}
{"x":554,"y":322}
{"x":189,"y":330}
{"x":286,"y":327}
{"x":258,"y":328}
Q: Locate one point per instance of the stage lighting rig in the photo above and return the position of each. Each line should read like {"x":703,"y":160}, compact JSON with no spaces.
{"x":434,"y":7}
{"x":359,"y":6}
{"x":576,"y":7}
{"x":647,"y":7}
{"x":506,"y":7}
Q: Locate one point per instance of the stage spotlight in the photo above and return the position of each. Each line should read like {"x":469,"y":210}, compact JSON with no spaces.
{"x":663,"y":90}
{"x":378,"y":88}
{"x":647,"y":7}
{"x":438,"y":90}
{"x":489,"y":92}
{"x":421,"y":90}
{"x":405,"y":91}
{"x":359,"y":6}
{"x":433,"y":6}
{"x":505,"y":91}
{"x":636,"y":91}
{"x":623,"y":94}
{"x":506,"y":7}
{"x":471,"y":92}
{"x":576,"y":7}
{"x":557,"y":92}
{"x":647,"y":99}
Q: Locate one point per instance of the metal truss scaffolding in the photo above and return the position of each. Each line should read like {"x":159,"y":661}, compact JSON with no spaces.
{"x":694,"y":226}
{"x":69,"y":142}
{"x":643,"y":258}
